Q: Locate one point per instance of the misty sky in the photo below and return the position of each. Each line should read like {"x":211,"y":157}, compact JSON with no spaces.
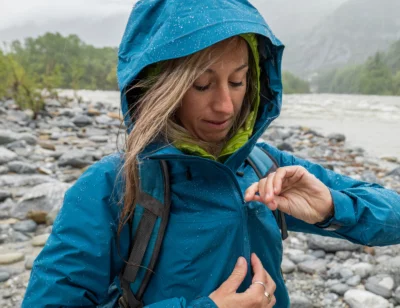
{"x":18,"y":12}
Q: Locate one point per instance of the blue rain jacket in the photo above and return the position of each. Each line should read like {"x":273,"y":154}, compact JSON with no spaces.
{"x":210,"y":225}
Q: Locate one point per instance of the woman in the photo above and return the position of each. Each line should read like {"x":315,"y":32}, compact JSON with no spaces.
{"x":200,"y":83}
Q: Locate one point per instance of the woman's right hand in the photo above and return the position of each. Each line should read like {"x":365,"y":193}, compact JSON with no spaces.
{"x":225,"y":296}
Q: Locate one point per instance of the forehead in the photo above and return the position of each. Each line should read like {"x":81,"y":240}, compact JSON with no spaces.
{"x":230,"y":52}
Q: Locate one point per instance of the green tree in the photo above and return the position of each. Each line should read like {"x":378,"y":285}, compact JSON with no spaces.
{"x":396,"y":84}
{"x":376,"y":77}
{"x":293,"y":84}
{"x":21,"y":87}
{"x":392,"y":57}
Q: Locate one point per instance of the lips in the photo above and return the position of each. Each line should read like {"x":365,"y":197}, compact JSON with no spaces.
{"x":217,"y":125}
{"x":217,"y":122}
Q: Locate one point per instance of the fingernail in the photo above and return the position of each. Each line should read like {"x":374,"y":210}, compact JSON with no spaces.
{"x":239,"y":261}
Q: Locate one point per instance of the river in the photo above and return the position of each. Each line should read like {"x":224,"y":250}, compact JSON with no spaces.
{"x":370,"y":122}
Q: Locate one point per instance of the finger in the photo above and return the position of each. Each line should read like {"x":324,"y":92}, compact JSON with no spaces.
{"x":258,"y":269}
{"x":236,"y":278}
{"x":272,"y":302}
{"x":262,"y":189}
{"x":269,"y":194}
{"x":288,"y":175}
{"x":257,"y":290}
{"x":270,"y":284}
{"x":250,"y":193}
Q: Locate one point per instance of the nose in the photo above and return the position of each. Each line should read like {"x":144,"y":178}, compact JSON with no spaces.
{"x":223,"y":100}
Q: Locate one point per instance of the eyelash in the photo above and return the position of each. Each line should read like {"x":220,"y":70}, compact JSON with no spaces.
{"x":204,"y":88}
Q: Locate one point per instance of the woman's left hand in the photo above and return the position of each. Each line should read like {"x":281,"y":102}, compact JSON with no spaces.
{"x":294,"y":191}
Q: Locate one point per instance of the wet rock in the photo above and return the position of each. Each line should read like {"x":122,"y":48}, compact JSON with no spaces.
{"x":287,"y":266}
{"x":7,"y":136}
{"x":300,"y":301}
{"x":4,"y":276}
{"x":19,"y":180}
{"x":336,"y":137}
{"x":99,"y":139}
{"x":18,"y":237}
{"x":93,"y":112}
{"x":40,"y":240}
{"x":47,"y":145}
{"x":82,"y":121}
{"x":394,"y":172}
{"x":104,"y":119}
{"x":10,"y":258}
{"x":390,"y":267}
{"x":76,"y":159}
{"x":3,"y":169}
{"x":343,"y":255}
{"x":362,"y":269}
{"x":353,"y":281}
{"x":361,"y":299}
{"x":284,"y":146}
{"x":330,"y":244}
{"x":17,"y":145}
{"x":37,"y":216}
{"x":29,"y":262}
{"x":313,"y":266}
{"x":6,"y":155}
{"x":25,"y":226}
{"x":21,"y":167}
{"x":381,"y":285}
{"x":319,"y":254}
{"x":4,"y":195}
{"x":28,"y":138}
{"x":397,"y":295}
{"x":339,"y":288}
{"x":346,"y":273}
{"x":44,"y":197}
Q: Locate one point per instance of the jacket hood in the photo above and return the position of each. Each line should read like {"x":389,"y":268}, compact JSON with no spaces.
{"x":159,"y":30}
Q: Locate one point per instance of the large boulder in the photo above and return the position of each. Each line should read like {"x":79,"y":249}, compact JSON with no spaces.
{"x":76,"y":159}
{"x":6,"y":155}
{"x":361,"y":299}
{"x":43,"y":198}
{"x":330,"y":244}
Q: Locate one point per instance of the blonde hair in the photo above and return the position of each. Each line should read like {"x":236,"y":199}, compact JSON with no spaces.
{"x":153,"y":112}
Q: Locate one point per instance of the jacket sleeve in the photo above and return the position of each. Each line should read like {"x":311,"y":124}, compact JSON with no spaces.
{"x":201,"y":302}
{"x":365,"y":213}
{"x":80,"y":261}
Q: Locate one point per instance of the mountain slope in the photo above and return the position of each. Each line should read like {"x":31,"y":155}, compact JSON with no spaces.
{"x":354,"y":31}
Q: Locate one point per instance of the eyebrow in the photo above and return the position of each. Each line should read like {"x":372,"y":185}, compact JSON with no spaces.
{"x":209,"y":70}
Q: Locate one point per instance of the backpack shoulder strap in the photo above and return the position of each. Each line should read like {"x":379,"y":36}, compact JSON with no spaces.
{"x":263,"y":164}
{"x":148,"y":226}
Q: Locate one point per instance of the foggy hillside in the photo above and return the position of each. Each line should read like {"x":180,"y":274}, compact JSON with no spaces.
{"x":317,"y":34}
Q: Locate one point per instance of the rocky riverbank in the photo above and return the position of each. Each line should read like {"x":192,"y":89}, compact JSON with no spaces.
{"x":41,"y":158}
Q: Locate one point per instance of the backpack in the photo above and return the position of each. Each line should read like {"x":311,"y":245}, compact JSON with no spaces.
{"x":151,"y":219}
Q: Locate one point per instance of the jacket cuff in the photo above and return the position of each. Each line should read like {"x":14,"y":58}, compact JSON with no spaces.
{"x":203,"y":302}
{"x":344,"y":212}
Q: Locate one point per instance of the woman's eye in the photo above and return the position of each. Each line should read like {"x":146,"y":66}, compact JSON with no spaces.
{"x":201,"y":88}
{"x":236,"y":84}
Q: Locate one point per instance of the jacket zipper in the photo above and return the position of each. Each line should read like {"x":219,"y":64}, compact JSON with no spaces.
{"x":236,"y":186}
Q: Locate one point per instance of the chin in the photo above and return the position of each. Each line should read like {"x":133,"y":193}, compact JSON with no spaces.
{"x":215,"y":138}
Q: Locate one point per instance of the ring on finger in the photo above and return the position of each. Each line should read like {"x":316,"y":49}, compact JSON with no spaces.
{"x":261,"y":283}
{"x":269,"y":297}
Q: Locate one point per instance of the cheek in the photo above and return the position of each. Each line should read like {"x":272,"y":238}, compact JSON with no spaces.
{"x":238,"y":100}
{"x":189,"y":109}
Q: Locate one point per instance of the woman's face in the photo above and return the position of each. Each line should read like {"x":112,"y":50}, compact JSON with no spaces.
{"x":209,"y":108}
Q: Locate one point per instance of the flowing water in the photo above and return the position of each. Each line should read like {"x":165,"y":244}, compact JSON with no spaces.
{"x":370,"y":122}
